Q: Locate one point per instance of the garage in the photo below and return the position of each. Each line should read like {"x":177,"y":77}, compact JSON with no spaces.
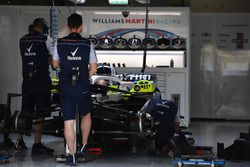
{"x":131,"y":72}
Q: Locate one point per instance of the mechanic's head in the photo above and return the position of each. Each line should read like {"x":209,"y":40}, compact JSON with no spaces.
{"x":103,"y":70}
{"x":30,"y":28}
{"x":40,"y":25}
{"x":157,"y":94}
{"x":75,"y":22}
{"x":101,"y":82}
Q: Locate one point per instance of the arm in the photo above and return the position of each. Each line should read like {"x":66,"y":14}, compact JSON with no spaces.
{"x":50,"y":49}
{"x":92,"y":69}
{"x":50,"y":59}
{"x":53,"y":55}
{"x":55,"y":58}
{"x":177,"y":122}
{"x":56,"y":64}
{"x":146,"y":107}
{"x":177,"y":127}
{"x":92,"y":61}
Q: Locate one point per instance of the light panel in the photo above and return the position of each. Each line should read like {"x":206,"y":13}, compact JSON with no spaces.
{"x":118,"y":2}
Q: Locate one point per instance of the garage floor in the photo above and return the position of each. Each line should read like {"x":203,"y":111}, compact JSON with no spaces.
{"x":204,"y":133}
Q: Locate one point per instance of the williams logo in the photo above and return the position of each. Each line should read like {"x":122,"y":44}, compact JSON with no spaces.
{"x":29,"y":53}
{"x":28,"y":49}
{"x":73,"y":57}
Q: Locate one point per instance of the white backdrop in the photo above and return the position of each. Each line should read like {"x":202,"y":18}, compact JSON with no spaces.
{"x":220,"y":72}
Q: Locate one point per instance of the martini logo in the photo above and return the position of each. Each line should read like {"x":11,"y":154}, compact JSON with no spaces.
{"x":73,"y":57}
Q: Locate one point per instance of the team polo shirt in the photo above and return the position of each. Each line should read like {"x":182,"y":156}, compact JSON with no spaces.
{"x":35,"y":49}
{"x":74,"y":53}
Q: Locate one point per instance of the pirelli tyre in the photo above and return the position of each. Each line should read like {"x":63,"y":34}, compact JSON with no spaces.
{"x":120,"y":43}
{"x":106,"y":42}
{"x":163,"y":43}
{"x":93,"y":40}
{"x":178,"y":43}
{"x":21,"y":121}
{"x":149,"y":42}
{"x":134,"y":42}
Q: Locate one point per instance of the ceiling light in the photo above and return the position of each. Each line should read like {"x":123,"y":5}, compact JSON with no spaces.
{"x":118,"y":2}
{"x":78,"y":1}
{"x":143,"y":1}
{"x":107,"y":13}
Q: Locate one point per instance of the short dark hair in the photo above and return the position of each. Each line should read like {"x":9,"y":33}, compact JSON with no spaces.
{"x":39,"y":23}
{"x":30,"y":28}
{"x":74,"y":20}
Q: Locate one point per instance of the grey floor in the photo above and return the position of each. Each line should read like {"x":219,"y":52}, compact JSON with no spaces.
{"x":204,"y":132}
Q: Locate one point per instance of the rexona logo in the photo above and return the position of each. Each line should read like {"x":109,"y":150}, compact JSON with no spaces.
{"x":29,"y":53}
{"x":73,"y":57}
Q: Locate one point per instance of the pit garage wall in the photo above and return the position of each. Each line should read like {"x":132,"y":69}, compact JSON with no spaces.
{"x":220,"y":80}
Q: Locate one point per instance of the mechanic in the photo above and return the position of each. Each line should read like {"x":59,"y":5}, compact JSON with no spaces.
{"x":36,"y":50}
{"x":166,"y":113}
{"x":77,"y":59}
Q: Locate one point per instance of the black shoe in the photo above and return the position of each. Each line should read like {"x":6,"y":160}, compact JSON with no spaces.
{"x":71,"y":160}
{"x":8,"y":143}
{"x":83,"y":154}
{"x":20,"y":145}
{"x":39,"y":148}
{"x":61,"y":158}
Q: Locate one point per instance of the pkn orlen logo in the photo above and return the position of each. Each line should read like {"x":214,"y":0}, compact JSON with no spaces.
{"x":73,"y":57}
{"x":29,"y":53}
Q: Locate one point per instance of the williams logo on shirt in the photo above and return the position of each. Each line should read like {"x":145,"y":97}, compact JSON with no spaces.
{"x":29,"y":53}
{"x":73,"y":55}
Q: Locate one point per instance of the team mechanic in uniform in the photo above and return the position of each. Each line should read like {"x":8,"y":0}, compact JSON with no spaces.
{"x":77,"y":60}
{"x":35,"y":49}
{"x":166,"y":113}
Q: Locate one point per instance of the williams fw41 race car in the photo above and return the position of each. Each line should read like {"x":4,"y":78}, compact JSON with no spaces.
{"x":116,"y":102}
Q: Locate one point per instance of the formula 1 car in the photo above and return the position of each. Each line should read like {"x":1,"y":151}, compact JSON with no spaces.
{"x":114,"y":109}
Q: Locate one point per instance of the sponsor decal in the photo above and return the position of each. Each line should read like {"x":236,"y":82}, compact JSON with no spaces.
{"x":31,"y":63}
{"x":29,"y":53}
{"x":28,"y":49}
{"x":136,"y":77}
{"x":136,"y":21}
{"x":73,"y":53}
{"x":73,"y":57}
